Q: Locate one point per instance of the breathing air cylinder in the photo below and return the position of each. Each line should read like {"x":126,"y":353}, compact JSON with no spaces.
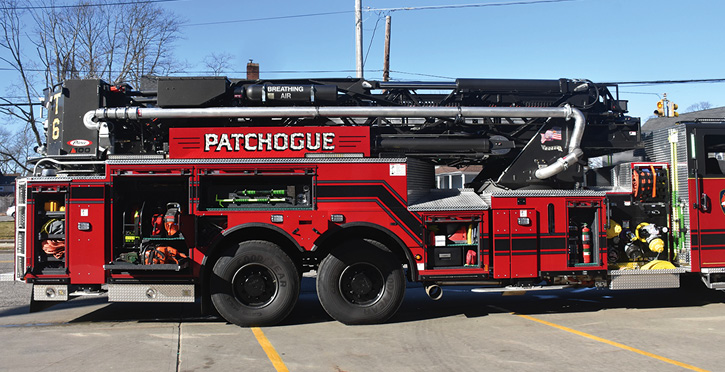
{"x":587,"y":244}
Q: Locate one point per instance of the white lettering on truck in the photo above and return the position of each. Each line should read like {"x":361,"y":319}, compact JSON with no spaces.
{"x":268,"y":142}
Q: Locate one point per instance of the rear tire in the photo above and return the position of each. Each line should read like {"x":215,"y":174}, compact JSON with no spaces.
{"x":360,"y":282}
{"x":254,"y":284}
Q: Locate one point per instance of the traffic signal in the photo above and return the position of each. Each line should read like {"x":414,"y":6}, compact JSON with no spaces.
{"x":671,"y":107}
{"x":660,"y":108}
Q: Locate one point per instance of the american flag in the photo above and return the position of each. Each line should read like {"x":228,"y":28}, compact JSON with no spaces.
{"x":553,"y":134}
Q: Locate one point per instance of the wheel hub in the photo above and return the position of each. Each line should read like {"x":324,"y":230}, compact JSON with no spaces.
{"x":362,"y":284}
{"x":255,"y":285}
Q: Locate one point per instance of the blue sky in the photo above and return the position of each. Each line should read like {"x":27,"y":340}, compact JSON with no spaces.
{"x":600,"y":40}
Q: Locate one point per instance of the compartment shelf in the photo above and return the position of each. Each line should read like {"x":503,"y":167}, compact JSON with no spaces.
{"x":457,"y":267}
{"x":44,"y":236}
{"x":52,"y":271}
{"x":125,"y":266}
{"x":161,"y":239}
{"x":56,"y":214}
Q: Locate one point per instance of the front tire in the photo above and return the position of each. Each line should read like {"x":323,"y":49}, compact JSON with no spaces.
{"x":360,"y":282}
{"x":254,"y":284}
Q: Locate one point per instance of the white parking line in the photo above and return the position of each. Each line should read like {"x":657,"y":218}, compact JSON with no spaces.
{"x":7,"y":277}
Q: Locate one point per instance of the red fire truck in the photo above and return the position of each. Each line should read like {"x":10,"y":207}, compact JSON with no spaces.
{"x":226,"y":192}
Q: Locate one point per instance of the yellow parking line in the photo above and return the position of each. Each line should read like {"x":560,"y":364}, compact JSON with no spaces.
{"x":6,"y":261}
{"x":269,"y":349}
{"x":615,"y":344}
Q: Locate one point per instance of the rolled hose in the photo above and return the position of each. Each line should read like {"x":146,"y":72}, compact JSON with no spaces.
{"x":658,"y":265}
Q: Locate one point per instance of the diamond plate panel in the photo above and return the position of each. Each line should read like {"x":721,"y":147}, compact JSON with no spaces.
{"x":657,"y":146}
{"x":49,"y":179}
{"x":545,"y":193}
{"x":645,"y":279}
{"x":50,"y":292}
{"x":622,"y":176}
{"x":151,"y":292}
{"x":647,"y":272}
{"x":135,"y":157}
{"x":448,"y":200}
{"x":65,"y":178}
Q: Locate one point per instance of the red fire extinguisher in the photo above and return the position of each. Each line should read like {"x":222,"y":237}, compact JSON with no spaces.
{"x":587,"y":244}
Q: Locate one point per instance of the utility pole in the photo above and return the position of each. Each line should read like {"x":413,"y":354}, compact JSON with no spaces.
{"x":358,"y":38}
{"x":386,"y":58}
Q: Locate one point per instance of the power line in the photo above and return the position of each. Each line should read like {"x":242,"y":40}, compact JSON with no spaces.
{"x":642,"y":93}
{"x":372,"y":38}
{"x":459,"y":6}
{"x":426,"y":75}
{"x":629,"y":83}
{"x":268,"y":18}
{"x":212,"y":72}
{"x":658,"y":82}
{"x":432,"y":7}
{"x":85,"y":5}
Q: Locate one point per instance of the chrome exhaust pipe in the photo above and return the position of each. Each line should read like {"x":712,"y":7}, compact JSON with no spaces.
{"x":434,"y":291}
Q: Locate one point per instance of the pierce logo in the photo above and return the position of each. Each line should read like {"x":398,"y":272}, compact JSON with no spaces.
{"x":79,"y":143}
{"x":722,"y":200}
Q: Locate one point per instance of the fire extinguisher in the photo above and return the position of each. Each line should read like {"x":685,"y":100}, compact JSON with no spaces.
{"x":587,"y":243}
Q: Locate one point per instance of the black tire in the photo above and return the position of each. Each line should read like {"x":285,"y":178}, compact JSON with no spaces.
{"x":360,"y":282}
{"x":254,"y":284}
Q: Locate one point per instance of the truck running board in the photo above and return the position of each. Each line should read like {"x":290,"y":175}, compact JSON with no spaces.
{"x":520,"y":289}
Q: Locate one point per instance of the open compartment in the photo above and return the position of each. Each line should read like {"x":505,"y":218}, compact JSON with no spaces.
{"x":453,"y":241}
{"x":583,"y":235}
{"x":50,"y":228}
{"x":256,"y":189}
{"x":638,"y":232}
{"x":156,"y":227}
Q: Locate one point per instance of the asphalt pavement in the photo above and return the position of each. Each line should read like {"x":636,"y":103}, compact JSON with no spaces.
{"x":564,"y":330}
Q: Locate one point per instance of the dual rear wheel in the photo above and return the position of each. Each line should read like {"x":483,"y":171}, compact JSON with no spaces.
{"x":256,"y":283}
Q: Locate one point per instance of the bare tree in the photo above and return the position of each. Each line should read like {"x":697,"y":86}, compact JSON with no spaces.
{"x":703,"y":105}
{"x":14,"y":149}
{"x":19,"y":109}
{"x":219,"y":62}
{"x":118,"y":42}
{"x":105,"y":39}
